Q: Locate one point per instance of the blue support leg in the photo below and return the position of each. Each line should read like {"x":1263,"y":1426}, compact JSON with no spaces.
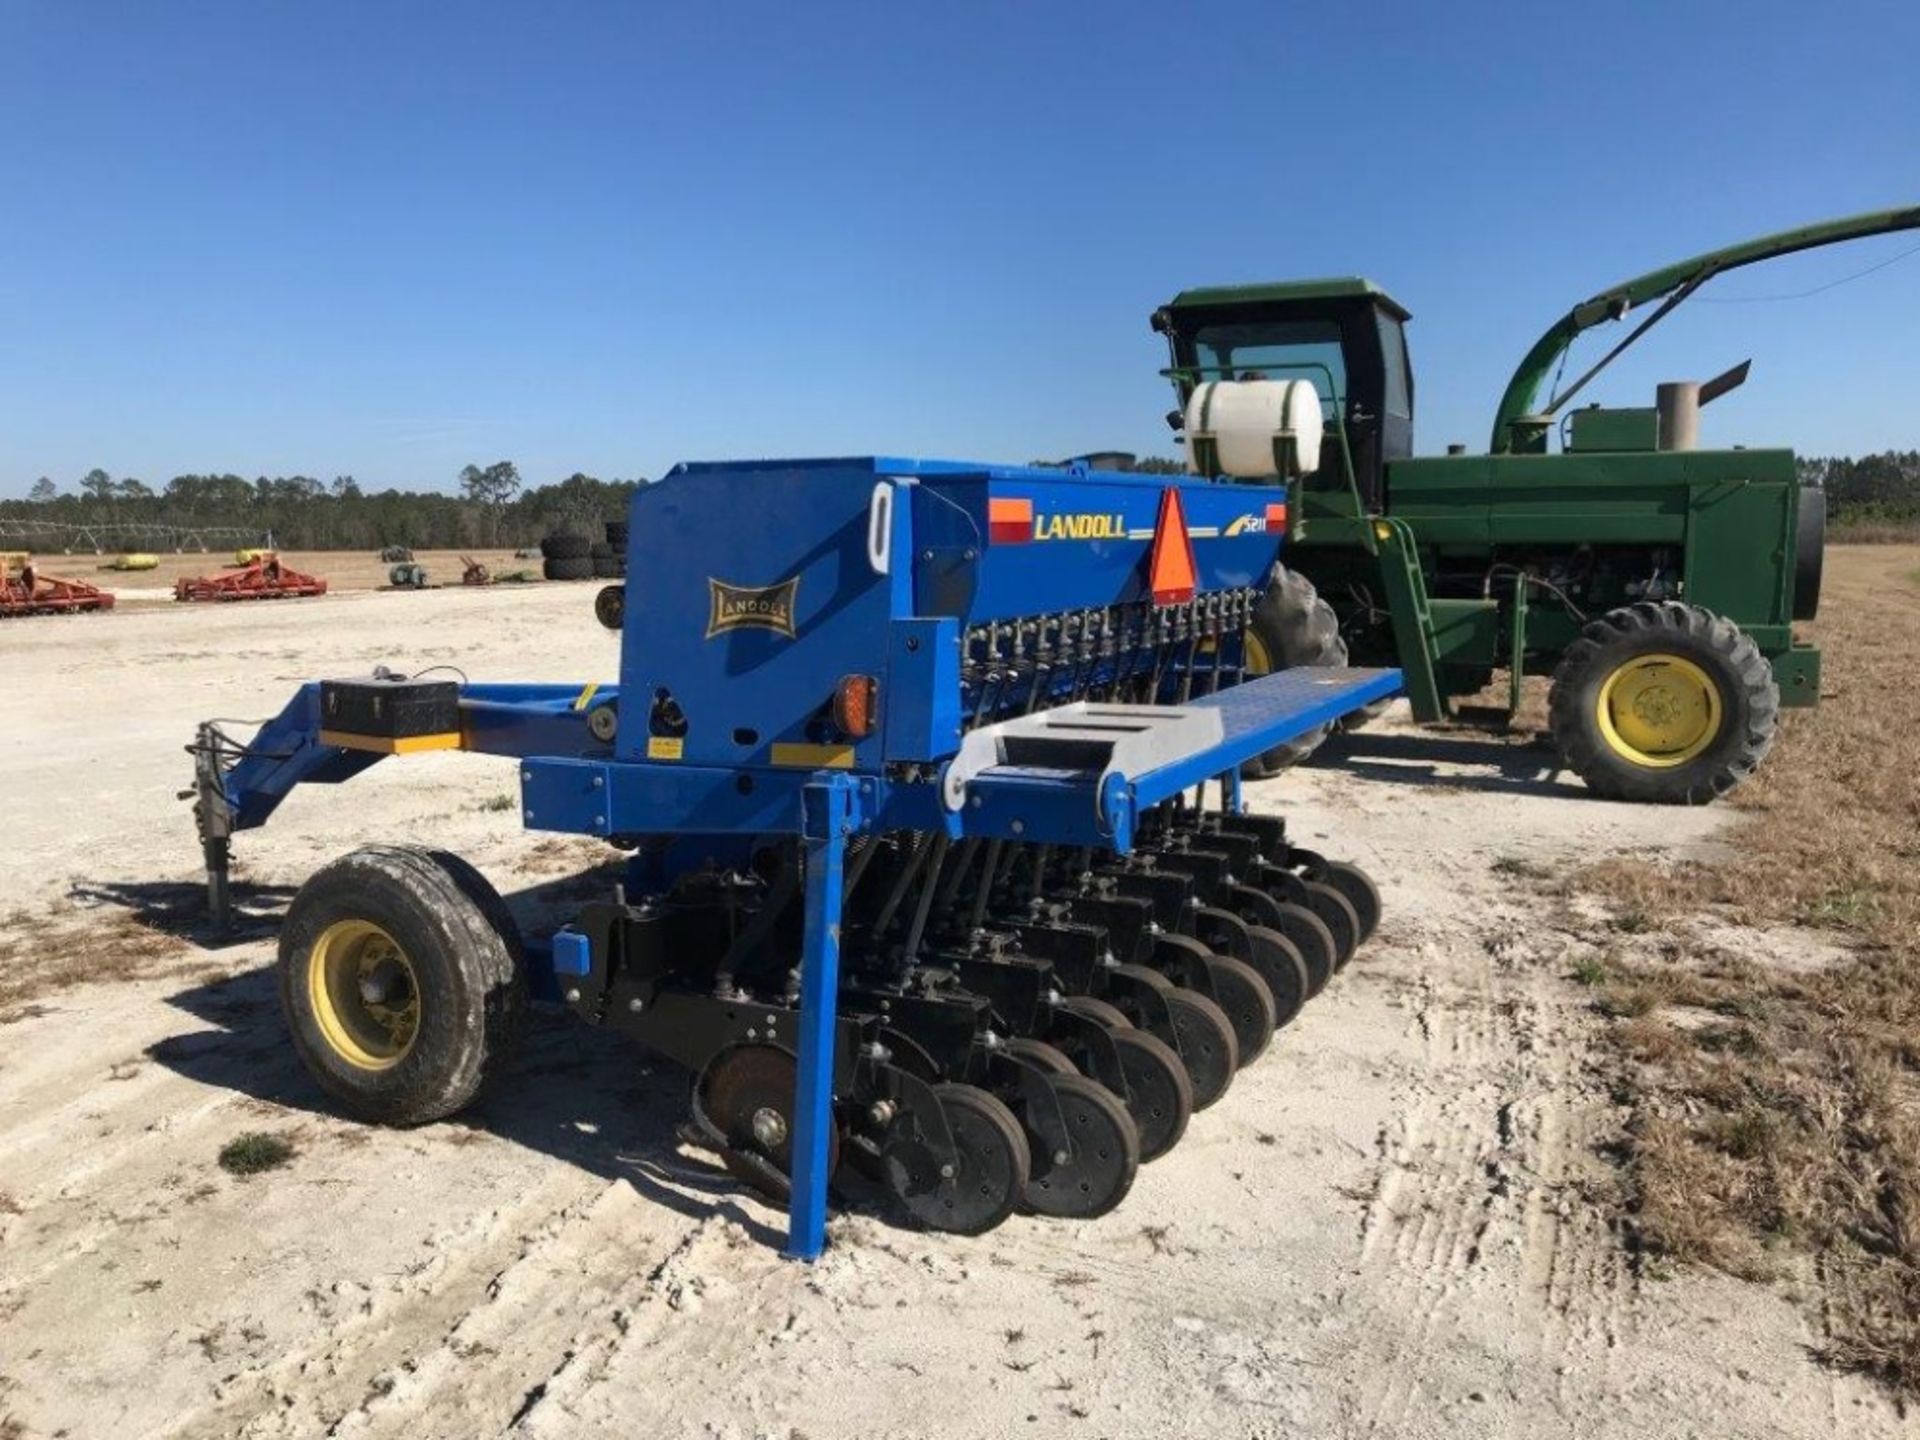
{"x":1230,"y":786}
{"x":829,"y":817}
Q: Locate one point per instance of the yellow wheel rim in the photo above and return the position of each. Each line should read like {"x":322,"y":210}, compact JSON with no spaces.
{"x":365,"y":994}
{"x":1254,"y":658}
{"x":1659,"y":710}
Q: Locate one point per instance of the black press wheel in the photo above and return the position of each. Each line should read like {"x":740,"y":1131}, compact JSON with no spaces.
{"x":1280,"y":965}
{"x":402,"y":993}
{"x":1159,"y":1092}
{"x":1664,"y":704}
{"x":1243,"y":996}
{"x":1336,"y":912}
{"x":610,"y":606}
{"x":1095,"y":1172}
{"x":1357,"y":887}
{"x":1094,"y":1008}
{"x":975,"y":1188}
{"x":1040,"y":1054}
{"x":1207,"y":1046}
{"x":1309,"y":935}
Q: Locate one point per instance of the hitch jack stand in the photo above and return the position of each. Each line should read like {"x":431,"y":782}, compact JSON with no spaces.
{"x":219,"y":906}
{"x":214,"y":816}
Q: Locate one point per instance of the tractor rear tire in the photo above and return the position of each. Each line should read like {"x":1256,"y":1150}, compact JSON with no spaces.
{"x":580,"y":569}
{"x":1809,"y":551}
{"x":1292,"y":626}
{"x":403,"y":981}
{"x":566,"y":547}
{"x":1664,"y":704}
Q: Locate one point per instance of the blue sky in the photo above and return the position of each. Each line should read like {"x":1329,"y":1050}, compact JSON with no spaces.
{"x":389,"y":239}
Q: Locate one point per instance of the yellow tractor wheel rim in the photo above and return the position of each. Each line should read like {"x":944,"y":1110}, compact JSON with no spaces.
{"x":365,"y":994}
{"x":1254,"y":659}
{"x":1659,"y":710}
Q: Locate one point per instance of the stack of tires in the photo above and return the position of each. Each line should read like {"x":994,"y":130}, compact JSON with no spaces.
{"x":396,"y":555}
{"x":610,"y":605}
{"x":567,"y":557}
{"x":610,"y":559}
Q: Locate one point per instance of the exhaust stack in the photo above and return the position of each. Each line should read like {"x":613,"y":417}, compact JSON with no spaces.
{"x":1678,"y":403}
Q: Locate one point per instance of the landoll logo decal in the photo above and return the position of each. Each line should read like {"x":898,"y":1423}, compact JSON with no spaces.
{"x":1080,"y":527}
{"x":751,"y":607}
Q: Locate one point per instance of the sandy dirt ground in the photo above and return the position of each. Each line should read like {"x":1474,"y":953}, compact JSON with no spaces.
{"x":1392,"y":1224}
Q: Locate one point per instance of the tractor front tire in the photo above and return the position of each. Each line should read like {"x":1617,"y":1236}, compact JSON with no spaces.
{"x":1292,"y":626}
{"x":403,"y":981}
{"x":1664,"y":704}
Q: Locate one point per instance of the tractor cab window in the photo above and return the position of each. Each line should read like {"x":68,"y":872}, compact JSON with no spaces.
{"x":1398,"y":399}
{"x":1274,"y":350}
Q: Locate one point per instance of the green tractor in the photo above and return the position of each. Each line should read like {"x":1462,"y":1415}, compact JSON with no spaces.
{"x":1656,"y":582}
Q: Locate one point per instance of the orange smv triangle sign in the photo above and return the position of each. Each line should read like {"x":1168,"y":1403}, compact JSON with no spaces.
{"x":1171,"y":573}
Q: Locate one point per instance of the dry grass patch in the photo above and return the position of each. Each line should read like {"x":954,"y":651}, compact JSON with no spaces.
{"x":1776,"y":1108}
{"x":65,"y":946}
{"x":1873,"y":530}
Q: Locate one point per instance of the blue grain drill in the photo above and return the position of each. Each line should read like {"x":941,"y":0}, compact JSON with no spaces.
{"x":928,"y":778}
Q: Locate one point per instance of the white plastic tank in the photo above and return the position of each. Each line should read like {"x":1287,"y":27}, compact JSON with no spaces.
{"x":1254,"y":429}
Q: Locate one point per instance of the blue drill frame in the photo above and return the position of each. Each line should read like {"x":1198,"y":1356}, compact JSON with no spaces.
{"x":589,"y":793}
{"x":727,"y":781}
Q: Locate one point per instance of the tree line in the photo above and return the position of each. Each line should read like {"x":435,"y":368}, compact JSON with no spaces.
{"x":490,"y":508}
{"x":1883,"y":487}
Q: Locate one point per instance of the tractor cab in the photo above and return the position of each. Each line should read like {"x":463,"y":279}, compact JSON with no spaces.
{"x":1346,"y":336}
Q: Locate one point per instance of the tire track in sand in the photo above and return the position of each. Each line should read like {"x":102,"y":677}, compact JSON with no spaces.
{"x":1474,"y":1212}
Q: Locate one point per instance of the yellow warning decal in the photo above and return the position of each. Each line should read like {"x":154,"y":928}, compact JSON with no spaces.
{"x":390,"y":745}
{"x":815,"y":757}
{"x":665,"y":747}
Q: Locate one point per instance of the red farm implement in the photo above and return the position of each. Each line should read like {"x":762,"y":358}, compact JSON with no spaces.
{"x":25,"y":591}
{"x":262,"y":578}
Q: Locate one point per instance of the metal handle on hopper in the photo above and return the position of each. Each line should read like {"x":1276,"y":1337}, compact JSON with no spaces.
{"x":880,"y":528}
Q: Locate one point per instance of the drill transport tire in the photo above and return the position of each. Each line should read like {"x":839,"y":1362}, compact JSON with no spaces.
{"x":403,"y":995}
